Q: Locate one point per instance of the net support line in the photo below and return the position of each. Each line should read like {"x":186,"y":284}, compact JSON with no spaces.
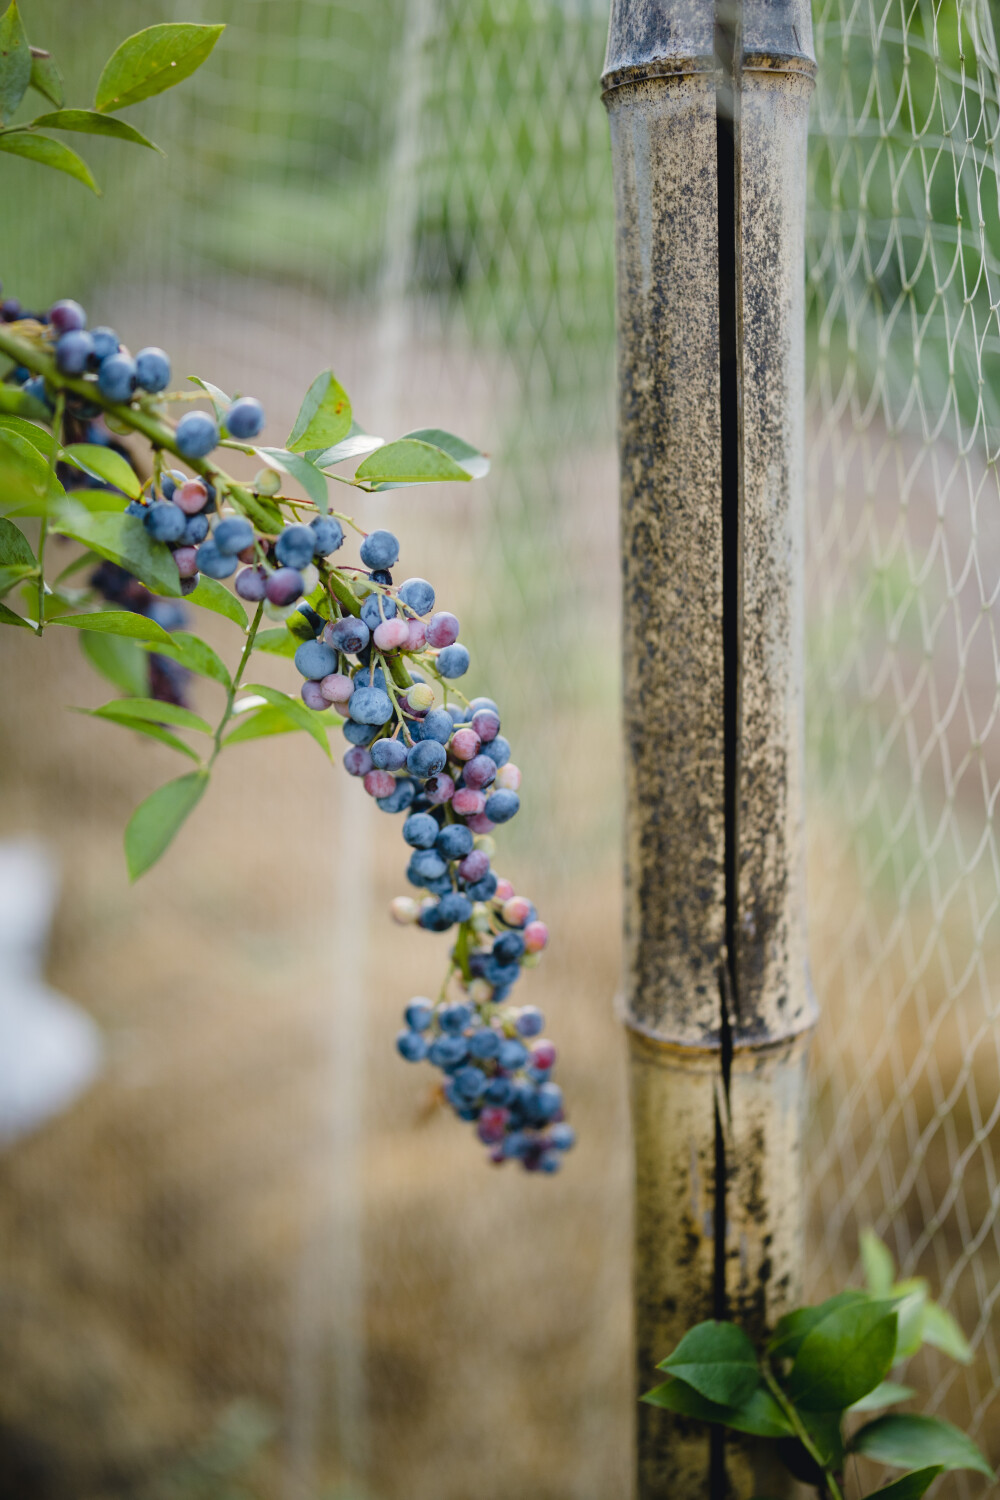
{"x":708,"y":108}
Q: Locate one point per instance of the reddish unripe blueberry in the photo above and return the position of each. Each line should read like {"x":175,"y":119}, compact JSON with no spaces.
{"x":416,"y":635}
{"x":543,"y":1054}
{"x":390,"y":635}
{"x":357,"y":761}
{"x":191,"y":496}
{"x":486,"y":724}
{"x":251,"y":585}
{"x":508,"y":777}
{"x":186,"y":559}
{"x":474,"y":866}
{"x":492,"y":1124}
{"x":480,"y":772}
{"x":248,"y":554}
{"x":284,"y":586}
{"x":337,"y":687}
{"x":467,"y":801}
{"x":312,"y":697}
{"x":504,"y":891}
{"x":464,"y":744}
{"x":442,"y":629}
{"x":379,"y":783}
{"x":536,"y":936}
{"x":439,"y":788}
{"x":480,"y":823}
{"x":67,"y":316}
{"x":516,"y":911}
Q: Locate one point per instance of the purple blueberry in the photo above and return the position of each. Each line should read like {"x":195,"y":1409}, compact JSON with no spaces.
{"x":312,"y":697}
{"x":357,"y":761}
{"x":486,"y":723}
{"x":284,"y":586}
{"x":66,"y":316}
{"x":442,"y":629}
{"x":349,"y":635}
{"x":479,"y":772}
{"x":251,"y":583}
{"x":379,"y":549}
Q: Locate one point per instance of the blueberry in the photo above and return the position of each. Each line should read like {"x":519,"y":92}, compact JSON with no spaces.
{"x":512,"y":1055}
{"x":469,"y":1081}
{"x":36,"y":387}
{"x":454,"y":907}
{"x":328,"y":535}
{"x":358,"y":734}
{"x":379,"y":549}
{"x":245,"y":418}
{"x":196,"y":531}
{"x":196,"y":434}
{"x":419,"y":1014}
{"x":517,"y":1145}
{"x":421,"y":830}
{"x":399,"y":800}
{"x":548,"y":1100}
{"x":498,"y":1090}
{"x":486,"y":723}
{"x":357,"y":761}
{"x":453,"y":661}
{"x":427,"y":864}
{"x":425,"y":758}
{"x":479,"y":772}
{"x":412,"y":1046}
{"x":509,"y":948}
{"x":389,"y":755}
{"x":370,"y":705}
{"x":165,"y":521}
{"x":66,"y":315}
{"x":448,"y":1051}
{"x":294,"y":547}
{"x":454,"y":1018}
{"x":437,"y":725}
{"x":418,"y":594}
{"x":105,"y":342}
{"x":285,"y":585}
{"x":484,"y":1044}
{"x":458,"y":714}
{"x":116,"y":379}
{"x":350,"y":635}
{"x":233,"y":534}
{"x":531,"y":1021}
{"x":73,"y":350}
{"x":314,"y":660}
{"x":478,"y":703}
{"x":454,"y":842}
{"x":152,"y":369}
{"x":10,"y":310}
{"x":484,"y":889}
{"x":135,"y":508}
{"x":442,"y":629}
{"x":213,"y":562}
{"x":498,"y":751}
{"x":502,"y":806}
{"x":381,"y":575}
{"x":562,"y":1136}
{"x":377,"y":608}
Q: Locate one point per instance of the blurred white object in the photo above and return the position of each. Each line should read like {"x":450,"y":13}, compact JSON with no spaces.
{"x":50,"y":1050}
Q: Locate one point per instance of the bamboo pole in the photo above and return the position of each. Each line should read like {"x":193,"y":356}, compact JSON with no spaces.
{"x":708,"y":115}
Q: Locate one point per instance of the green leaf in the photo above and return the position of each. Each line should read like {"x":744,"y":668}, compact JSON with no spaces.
{"x":14,"y":548}
{"x":941,"y":1330}
{"x":844,"y":1357}
{"x":153,"y":60}
{"x":27,"y":484}
{"x":301,"y":470}
{"x":911,"y":1486}
{"x":89,"y":122}
{"x":880,"y":1270}
{"x":718,"y":1360}
{"x":153,"y":731}
{"x":46,"y":78}
{"x":15,"y":400}
{"x":155,"y":822}
{"x":824,"y":1427}
{"x":38,"y":437}
{"x":296,"y":710}
{"x":474,"y":462}
{"x":264,"y":721}
{"x":15,"y":574}
{"x":210,"y":594}
{"x":910,"y":1311}
{"x":15,"y":61}
{"x":220,"y":401}
{"x":117,"y":622}
{"x":760,"y":1415}
{"x":352,"y":446}
{"x":197,"y":655}
{"x":904,"y":1440}
{"x":123,"y":539}
{"x":154,"y":712}
{"x":8,"y":617}
{"x":792,"y":1329}
{"x":278,"y":642}
{"x":120,"y":660}
{"x":104,"y":464}
{"x":50,"y":153}
{"x":324,"y":417}
{"x":409,"y":461}
{"x":886,"y":1394}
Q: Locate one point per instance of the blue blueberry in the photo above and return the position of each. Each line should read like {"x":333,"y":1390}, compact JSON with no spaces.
{"x":36,"y":387}
{"x":135,"y":508}
{"x":550,"y":1162}
{"x":418,"y":594}
{"x":370,"y":705}
{"x":213,"y":562}
{"x":196,"y":530}
{"x":512,"y":1055}
{"x":379,"y":549}
{"x":233,"y":535}
{"x":530,"y":1022}
{"x":196,"y":434}
{"x":562,"y":1136}
{"x":294,"y":547}
{"x":245,"y":419}
{"x":477,"y":703}
{"x":152,"y":369}
{"x":427,"y":864}
{"x":509,"y":948}
{"x":484,"y":1044}
{"x":165,"y":521}
{"x":116,"y":379}
{"x":437,"y":725}
{"x":419,"y":1014}
{"x":485,"y":889}
{"x":497,"y":750}
{"x":105,"y":342}
{"x":314,"y":660}
{"x":501,"y":806}
{"x":498,"y":1090}
{"x":457,"y":713}
{"x":440,"y":887}
{"x":455,"y":1017}
{"x":350,"y":635}
{"x":426,"y":758}
{"x":358,"y":734}
{"x":448,"y":1051}
{"x":376,"y":608}
{"x":454,"y":907}
{"x":421,"y":830}
{"x":469,"y":1081}
{"x":399,"y":800}
{"x":517,"y":1144}
{"x":455,"y":842}
{"x":412,"y":1046}
{"x":328,"y":535}
{"x":388,"y":755}
{"x":453,"y":661}
{"x":435,"y":918}
{"x":73,"y":351}
{"x":548,"y":1100}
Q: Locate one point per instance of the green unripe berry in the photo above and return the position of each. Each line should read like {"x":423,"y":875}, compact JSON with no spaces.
{"x":267,"y":482}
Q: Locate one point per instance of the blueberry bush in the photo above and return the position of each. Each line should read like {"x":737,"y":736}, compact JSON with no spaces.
{"x":93,"y":450}
{"x":827,"y":1368}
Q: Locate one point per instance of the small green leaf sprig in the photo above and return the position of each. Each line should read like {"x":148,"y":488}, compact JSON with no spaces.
{"x":824,"y":1367}
{"x":144,"y":65}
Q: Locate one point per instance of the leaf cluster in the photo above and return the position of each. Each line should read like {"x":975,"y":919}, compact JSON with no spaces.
{"x":823,"y":1368}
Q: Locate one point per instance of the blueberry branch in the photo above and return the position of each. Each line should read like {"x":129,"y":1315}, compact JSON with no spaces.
{"x":57,"y":427}
{"x":800,"y":1432}
{"x":234,"y":687}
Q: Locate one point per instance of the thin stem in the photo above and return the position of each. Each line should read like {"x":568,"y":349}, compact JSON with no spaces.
{"x":57,"y":425}
{"x":462,"y":951}
{"x":801,"y":1433}
{"x":234,"y":687}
